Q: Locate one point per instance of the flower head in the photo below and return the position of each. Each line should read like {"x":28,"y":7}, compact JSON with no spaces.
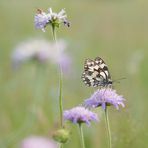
{"x":104,"y":97}
{"x":80,"y":115}
{"x":42,"y":19}
{"x":38,"y":142}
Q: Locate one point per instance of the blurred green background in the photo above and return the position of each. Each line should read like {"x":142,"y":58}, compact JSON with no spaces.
{"x":116,"y":30}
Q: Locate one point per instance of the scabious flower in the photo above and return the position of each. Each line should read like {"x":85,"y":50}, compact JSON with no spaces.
{"x":38,"y":142}
{"x":42,"y":19}
{"x":43,"y":51}
{"x":80,"y":115}
{"x":105,"y":97}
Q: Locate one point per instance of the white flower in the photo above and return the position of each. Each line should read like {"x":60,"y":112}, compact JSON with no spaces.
{"x":58,"y":18}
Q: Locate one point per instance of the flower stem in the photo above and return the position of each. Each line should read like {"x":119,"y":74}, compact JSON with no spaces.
{"x":82,"y":136}
{"x":60,"y":81}
{"x":61,"y":145}
{"x":60,"y":98}
{"x":108,"y":128}
{"x":54,"y":33}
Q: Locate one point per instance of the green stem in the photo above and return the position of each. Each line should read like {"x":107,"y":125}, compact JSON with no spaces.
{"x":61,"y":145}
{"x":54,"y":33}
{"x":108,"y":128}
{"x":60,"y":98}
{"x":82,"y":136}
{"x":60,"y":81}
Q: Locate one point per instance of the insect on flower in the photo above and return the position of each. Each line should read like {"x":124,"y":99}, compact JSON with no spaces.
{"x":96,"y":73}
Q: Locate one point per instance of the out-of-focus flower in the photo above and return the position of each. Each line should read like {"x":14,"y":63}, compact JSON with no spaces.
{"x":38,"y":142}
{"x":80,"y":115}
{"x":65,"y":63}
{"x":105,"y":97}
{"x":43,"y":51}
{"x":42,"y":19}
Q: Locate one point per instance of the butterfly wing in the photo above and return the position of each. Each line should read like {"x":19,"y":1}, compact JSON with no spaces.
{"x":88,"y":71}
{"x":104,"y":72}
{"x":95,"y":73}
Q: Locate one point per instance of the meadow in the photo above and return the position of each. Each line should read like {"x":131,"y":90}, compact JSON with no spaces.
{"x":115,"y":30}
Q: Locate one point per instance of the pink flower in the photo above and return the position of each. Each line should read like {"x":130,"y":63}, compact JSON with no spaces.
{"x":38,"y":142}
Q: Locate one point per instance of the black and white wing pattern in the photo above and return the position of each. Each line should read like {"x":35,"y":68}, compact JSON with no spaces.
{"x":96,"y":73}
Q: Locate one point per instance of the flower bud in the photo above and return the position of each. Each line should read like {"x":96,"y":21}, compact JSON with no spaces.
{"x":61,"y":135}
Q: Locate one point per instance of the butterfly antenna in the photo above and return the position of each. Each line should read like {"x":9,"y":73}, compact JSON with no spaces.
{"x":118,"y":80}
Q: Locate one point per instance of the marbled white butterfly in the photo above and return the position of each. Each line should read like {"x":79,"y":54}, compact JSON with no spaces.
{"x":96,"y":73}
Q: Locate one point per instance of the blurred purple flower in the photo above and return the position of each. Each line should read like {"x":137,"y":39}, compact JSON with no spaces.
{"x":80,"y":115}
{"x":38,"y":142}
{"x":105,"y":97}
{"x":65,"y":63}
{"x":43,"y":51}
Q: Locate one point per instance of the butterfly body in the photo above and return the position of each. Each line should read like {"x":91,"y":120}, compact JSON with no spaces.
{"x":96,"y":73}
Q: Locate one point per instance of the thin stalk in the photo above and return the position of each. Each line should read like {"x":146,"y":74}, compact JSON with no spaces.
{"x":108,"y":128}
{"x":54,"y":33}
{"x":82,"y":136}
{"x":60,"y":80}
{"x":61,"y":145}
{"x":60,"y":98}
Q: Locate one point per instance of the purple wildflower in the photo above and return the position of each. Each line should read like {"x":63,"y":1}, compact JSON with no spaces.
{"x":80,"y":115}
{"x":41,"y":19}
{"x":105,"y":97}
{"x":38,"y":142}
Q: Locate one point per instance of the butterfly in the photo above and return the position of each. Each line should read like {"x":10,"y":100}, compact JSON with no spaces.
{"x":96,"y":73}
